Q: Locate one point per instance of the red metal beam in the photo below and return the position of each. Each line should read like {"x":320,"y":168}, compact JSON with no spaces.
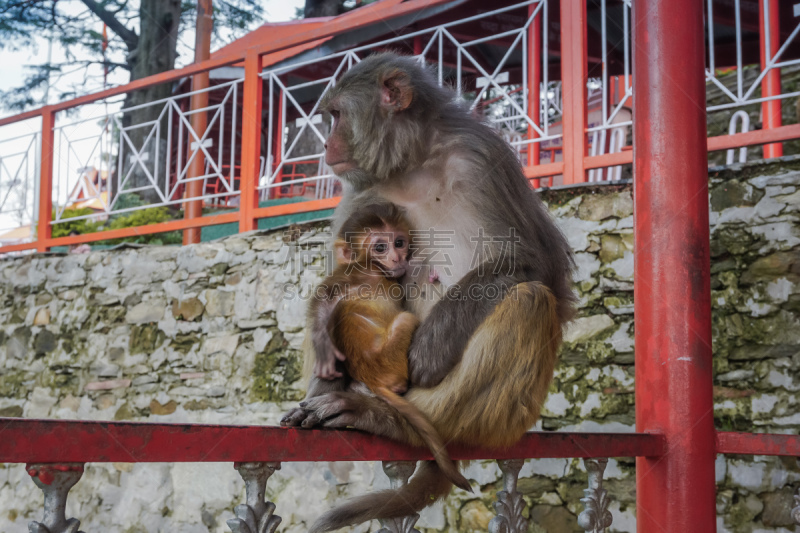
{"x":174,"y":225}
{"x":543,"y":171}
{"x":299,"y":207}
{"x":534,"y":71}
{"x":573,"y":88}
{"x":330,"y":29}
{"x":251,"y":141}
{"x":737,"y":140}
{"x":90,"y":441}
{"x":758,"y":444}
{"x":771,"y":84}
{"x":672,"y":289}
{"x":195,"y":189}
{"x":43,"y":227}
{"x":17,"y":247}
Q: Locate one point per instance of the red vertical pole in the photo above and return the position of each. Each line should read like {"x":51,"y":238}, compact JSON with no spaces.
{"x":573,"y":88}
{"x":417,"y":45}
{"x":44,"y":230}
{"x":202,"y":51}
{"x":534,"y":80}
{"x":278,"y":149}
{"x":672,"y":289}
{"x":251,"y":140}
{"x":771,"y":84}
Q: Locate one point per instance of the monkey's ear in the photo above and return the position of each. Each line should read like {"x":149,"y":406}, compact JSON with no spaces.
{"x":396,"y":90}
{"x":344,"y":254}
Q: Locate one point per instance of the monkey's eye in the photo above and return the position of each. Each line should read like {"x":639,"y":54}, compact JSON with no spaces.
{"x":381,"y":247}
{"x":335,"y":114}
{"x":399,"y":243}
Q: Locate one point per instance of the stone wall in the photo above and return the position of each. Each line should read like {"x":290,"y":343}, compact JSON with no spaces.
{"x":206,"y":333}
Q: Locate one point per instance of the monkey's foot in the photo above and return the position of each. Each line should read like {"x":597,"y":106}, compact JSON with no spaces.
{"x":294,"y":417}
{"x":348,"y":410}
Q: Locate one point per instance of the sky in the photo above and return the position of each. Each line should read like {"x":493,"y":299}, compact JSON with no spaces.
{"x":15,"y":139}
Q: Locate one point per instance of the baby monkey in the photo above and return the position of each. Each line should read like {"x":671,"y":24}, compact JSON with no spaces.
{"x":368,"y":325}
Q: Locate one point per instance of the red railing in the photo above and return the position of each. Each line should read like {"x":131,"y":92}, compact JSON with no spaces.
{"x":676,"y":443}
{"x":574,"y":166}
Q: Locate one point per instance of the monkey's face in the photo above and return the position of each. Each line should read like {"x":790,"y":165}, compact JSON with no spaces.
{"x":388,"y":250}
{"x":376,"y":130}
{"x":338,"y":154}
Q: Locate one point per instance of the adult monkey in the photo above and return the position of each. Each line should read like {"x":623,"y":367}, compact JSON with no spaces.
{"x":483,"y":357}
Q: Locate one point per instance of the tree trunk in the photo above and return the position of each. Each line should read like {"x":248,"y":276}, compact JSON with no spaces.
{"x":156,"y":53}
{"x":322,"y":8}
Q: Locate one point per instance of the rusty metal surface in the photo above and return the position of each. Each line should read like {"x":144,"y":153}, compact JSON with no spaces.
{"x":758,"y":444}
{"x":84,"y":441}
{"x":672,"y":287}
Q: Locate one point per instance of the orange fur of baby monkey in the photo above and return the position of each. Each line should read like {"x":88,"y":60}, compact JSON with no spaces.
{"x":369,"y":326}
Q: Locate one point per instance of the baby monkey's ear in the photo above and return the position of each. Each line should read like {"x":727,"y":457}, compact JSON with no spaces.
{"x":344,"y":252}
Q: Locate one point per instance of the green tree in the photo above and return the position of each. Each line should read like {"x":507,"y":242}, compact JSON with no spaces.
{"x":143,"y":40}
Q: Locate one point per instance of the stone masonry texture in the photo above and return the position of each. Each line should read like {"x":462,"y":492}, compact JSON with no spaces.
{"x":212,"y":333}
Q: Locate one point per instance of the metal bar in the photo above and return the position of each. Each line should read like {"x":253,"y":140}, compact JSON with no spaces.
{"x":335,"y":27}
{"x":672,"y":290}
{"x":758,"y":444}
{"x":17,"y":247}
{"x":544,"y":171}
{"x":251,"y":141}
{"x":574,"y":74}
{"x":161,"y":227}
{"x":44,"y":230}
{"x":533,"y":67}
{"x":750,"y":138}
{"x":26,"y":440}
{"x":202,"y":51}
{"x":300,"y":207}
{"x":608,"y":160}
{"x":769,"y":41}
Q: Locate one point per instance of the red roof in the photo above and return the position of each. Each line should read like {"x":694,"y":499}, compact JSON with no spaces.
{"x":278,"y":30}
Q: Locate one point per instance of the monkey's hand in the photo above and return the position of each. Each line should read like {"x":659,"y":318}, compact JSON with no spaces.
{"x":326,"y":352}
{"x":327,"y":355}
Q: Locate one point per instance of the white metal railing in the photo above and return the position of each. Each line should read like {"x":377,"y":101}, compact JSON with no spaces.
{"x":742,"y":91}
{"x":99,"y":168}
{"x":439,"y":47}
{"x":19,"y":172}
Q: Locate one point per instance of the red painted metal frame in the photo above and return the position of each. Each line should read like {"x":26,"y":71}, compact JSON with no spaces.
{"x":672,"y":288}
{"x":251,"y":141}
{"x":758,"y":444}
{"x":91,"y":441}
{"x":193,"y":208}
{"x":771,"y":84}
{"x":574,"y":73}
{"x":534,"y":68}
{"x":44,"y":230}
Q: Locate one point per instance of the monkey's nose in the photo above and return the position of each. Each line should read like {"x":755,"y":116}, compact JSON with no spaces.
{"x":325,"y":145}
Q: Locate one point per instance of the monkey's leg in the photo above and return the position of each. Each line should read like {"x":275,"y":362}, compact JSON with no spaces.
{"x":399,"y":335}
{"x":491,"y":397}
{"x":441,"y":340}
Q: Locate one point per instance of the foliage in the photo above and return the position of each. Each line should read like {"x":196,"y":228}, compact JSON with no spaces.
{"x":72,"y":28}
{"x":81,"y":226}
{"x":144,"y":217}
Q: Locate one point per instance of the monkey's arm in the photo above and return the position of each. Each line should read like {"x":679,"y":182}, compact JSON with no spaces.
{"x":440,"y":340}
{"x":325,"y":352}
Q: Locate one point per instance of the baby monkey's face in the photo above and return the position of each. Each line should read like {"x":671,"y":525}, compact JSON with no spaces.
{"x":388,"y":249}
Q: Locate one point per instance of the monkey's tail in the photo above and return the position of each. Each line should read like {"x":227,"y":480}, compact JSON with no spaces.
{"x":426,"y":487}
{"x":429,"y":436}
